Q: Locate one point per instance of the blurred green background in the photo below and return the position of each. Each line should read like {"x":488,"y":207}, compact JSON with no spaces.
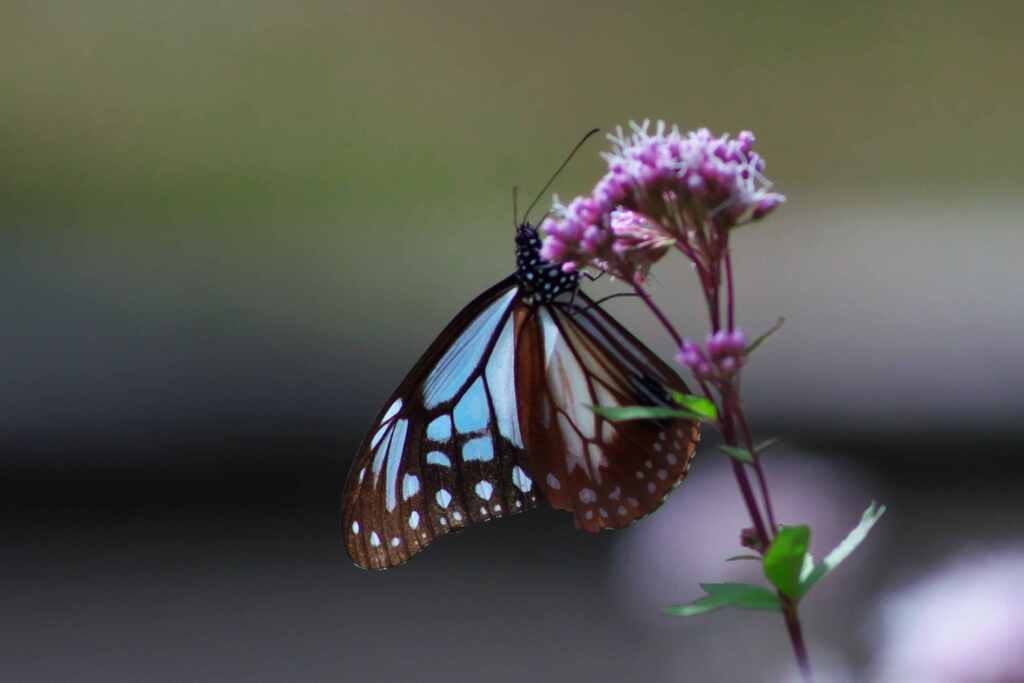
{"x":228,"y":228}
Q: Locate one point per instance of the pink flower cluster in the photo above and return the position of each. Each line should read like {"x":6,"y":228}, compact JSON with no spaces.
{"x":661,"y":188}
{"x":722,"y":355}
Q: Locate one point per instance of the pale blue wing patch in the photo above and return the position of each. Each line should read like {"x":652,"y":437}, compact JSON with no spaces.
{"x":438,"y":458}
{"x":480,"y":448}
{"x":501,"y":380}
{"x":472,"y":412}
{"x":440,"y":429}
{"x":394,"y":461}
{"x":462,"y":359}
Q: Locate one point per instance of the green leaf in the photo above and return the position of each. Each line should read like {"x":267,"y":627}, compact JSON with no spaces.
{"x":623,"y":413}
{"x":741,"y":454}
{"x":785,"y":558}
{"x":743,"y":557}
{"x":742,"y":595}
{"x":760,"y":340}
{"x":843,"y":550}
{"x":696,"y":404}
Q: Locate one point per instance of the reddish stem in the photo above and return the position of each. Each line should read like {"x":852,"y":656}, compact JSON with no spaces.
{"x":762,"y":481}
{"x":796,"y":636}
{"x":731,"y":414}
{"x":728,"y":282}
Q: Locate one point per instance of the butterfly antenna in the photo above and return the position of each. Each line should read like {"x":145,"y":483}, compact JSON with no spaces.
{"x":560,"y":168}
{"x":515,"y":207}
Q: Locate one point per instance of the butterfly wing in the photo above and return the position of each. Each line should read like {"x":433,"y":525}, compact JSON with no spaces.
{"x":608,"y":474}
{"x":447,"y":450}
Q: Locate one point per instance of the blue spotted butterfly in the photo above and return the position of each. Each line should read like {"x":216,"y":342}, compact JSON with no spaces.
{"x":495,"y":418}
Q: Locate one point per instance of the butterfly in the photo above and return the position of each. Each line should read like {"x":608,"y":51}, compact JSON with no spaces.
{"x":495,"y":418}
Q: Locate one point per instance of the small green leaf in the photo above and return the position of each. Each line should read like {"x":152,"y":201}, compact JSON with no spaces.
{"x":743,"y":595}
{"x":696,"y":404}
{"x":843,"y":550}
{"x":708,"y":603}
{"x":623,"y":413}
{"x":742,"y":557}
{"x":772,"y":330}
{"x":785,"y":558}
{"x":765,"y":445}
{"x":741,"y":454}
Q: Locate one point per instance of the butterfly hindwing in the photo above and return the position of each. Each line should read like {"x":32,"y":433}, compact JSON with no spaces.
{"x":569,"y":358}
{"x":447,"y":449}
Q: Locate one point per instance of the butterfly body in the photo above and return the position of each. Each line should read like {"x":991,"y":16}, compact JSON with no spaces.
{"x":494,"y":419}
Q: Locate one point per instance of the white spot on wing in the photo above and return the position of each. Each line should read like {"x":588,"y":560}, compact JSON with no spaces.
{"x":484,"y":489}
{"x":553,"y":482}
{"x":521,"y":480}
{"x":588,"y":495}
{"x":374,"y":539}
{"x":443,"y":498}
{"x":395,"y":541}
{"x":414,"y":519}
{"x":355,"y":527}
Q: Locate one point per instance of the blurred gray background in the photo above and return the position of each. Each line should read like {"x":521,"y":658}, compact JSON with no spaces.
{"x":227,"y":229}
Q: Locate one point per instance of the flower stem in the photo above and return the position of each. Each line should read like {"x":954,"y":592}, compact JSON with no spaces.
{"x":726,"y":426}
{"x":796,"y":636}
{"x":730,"y":415}
{"x":729,"y":434}
{"x":728,"y":282}
{"x":762,"y":481}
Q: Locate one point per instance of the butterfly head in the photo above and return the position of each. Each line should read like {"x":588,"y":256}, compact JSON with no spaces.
{"x":541,"y":280}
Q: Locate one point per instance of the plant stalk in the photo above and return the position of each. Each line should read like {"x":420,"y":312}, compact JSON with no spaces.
{"x":730,"y":413}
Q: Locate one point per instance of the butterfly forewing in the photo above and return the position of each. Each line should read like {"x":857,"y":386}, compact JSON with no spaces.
{"x":447,"y":449}
{"x":571,"y":357}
